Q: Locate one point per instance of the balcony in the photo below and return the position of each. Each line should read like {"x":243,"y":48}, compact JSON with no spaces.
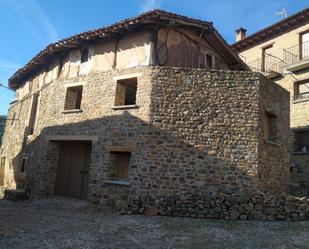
{"x":297,"y":57}
{"x":270,"y":66}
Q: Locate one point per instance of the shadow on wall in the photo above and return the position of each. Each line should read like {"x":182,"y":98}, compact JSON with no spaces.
{"x":161,"y":163}
{"x":300,"y":161}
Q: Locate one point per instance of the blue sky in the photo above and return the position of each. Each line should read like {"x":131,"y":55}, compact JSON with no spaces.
{"x":27,"y":26}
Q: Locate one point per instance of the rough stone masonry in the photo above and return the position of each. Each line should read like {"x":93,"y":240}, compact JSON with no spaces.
{"x":191,"y":129}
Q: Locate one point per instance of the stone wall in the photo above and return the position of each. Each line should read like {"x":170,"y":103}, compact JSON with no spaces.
{"x":191,"y":129}
{"x":255,"y":206}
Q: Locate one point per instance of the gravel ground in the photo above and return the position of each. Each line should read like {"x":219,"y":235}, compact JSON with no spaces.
{"x":69,"y":223}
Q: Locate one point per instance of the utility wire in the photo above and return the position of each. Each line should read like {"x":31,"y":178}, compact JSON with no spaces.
{"x":5,"y":87}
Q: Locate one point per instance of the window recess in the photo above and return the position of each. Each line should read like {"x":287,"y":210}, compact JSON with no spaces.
{"x":73,"y":98}
{"x":126,"y":90}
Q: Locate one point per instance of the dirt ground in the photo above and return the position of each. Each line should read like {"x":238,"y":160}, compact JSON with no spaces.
{"x":69,"y":223}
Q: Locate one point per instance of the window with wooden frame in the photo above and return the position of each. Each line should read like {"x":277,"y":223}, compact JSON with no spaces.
{"x":304,"y":45}
{"x":73,"y":98}
{"x":301,"y":89}
{"x":119,"y":165}
{"x":270,"y":127}
{"x":301,"y":141}
{"x":126,"y":90}
{"x":265,"y":52}
{"x":33,"y":113}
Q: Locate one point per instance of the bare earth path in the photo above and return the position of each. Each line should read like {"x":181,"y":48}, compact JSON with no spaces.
{"x":69,"y":223}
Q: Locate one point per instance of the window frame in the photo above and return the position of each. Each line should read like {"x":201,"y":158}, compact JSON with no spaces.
{"x":263,"y":62}
{"x":300,"y":42}
{"x":115,"y":167}
{"x":296,"y":93}
{"x":125,"y":85}
{"x":72,"y":85}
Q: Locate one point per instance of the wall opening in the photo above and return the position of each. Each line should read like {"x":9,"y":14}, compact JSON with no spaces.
{"x":33,"y":114}
{"x":23,"y":165}
{"x":301,"y":89}
{"x":126,"y":90}
{"x":84,"y":55}
{"x":301,"y":141}
{"x":119,"y":165}
{"x":270,"y":127}
{"x":73,"y":98}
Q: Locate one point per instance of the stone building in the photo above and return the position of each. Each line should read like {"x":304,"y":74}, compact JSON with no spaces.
{"x":154,"y":105}
{"x":281,"y":52}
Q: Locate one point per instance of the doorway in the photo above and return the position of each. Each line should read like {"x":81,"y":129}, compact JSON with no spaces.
{"x":73,"y":169}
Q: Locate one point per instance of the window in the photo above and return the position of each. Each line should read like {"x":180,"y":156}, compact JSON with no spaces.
{"x":23,"y":164}
{"x":119,"y":163}
{"x":304,"y":45}
{"x":265,"y":58}
{"x":209,"y":61}
{"x":33,"y":114}
{"x":84,"y":55}
{"x":126,"y":92}
{"x":270,"y":127}
{"x":73,"y":98}
{"x":301,"y":141}
{"x":60,"y":66}
{"x":301,"y":89}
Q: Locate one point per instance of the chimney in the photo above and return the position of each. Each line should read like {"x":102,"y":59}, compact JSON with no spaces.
{"x":240,"y":34}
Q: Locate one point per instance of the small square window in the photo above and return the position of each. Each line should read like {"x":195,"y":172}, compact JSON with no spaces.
{"x":126,"y":92}
{"x":119,"y":165}
{"x":301,"y":89}
{"x":73,"y":98}
{"x":84,"y":55}
{"x":270,"y":127}
{"x":301,"y":141}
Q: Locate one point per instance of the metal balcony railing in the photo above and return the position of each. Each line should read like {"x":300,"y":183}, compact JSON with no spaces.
{"x":296,"y":53}
{"x":267,"y":65}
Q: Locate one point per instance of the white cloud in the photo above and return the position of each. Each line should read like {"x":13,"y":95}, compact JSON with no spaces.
{"x":34,"y":19}
{"x":150,"y":4}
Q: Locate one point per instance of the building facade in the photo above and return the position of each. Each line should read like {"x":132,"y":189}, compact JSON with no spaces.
{"x":281,"y":52}
{"x":151,"y":106}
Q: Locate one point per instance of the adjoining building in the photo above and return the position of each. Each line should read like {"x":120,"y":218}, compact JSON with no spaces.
{"x":281,"y":52}
{"x":150,"y":106}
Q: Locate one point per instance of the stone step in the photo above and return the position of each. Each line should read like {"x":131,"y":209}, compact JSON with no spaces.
{"x":15,"y":194}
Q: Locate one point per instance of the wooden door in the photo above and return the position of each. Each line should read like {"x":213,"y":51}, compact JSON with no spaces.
{"x":73,"y":170}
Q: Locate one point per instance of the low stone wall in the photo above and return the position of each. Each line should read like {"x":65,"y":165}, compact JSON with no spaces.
{"x":259,"y":206}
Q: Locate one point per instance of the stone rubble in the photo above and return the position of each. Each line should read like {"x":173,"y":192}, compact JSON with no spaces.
{"x":258,"y":206}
